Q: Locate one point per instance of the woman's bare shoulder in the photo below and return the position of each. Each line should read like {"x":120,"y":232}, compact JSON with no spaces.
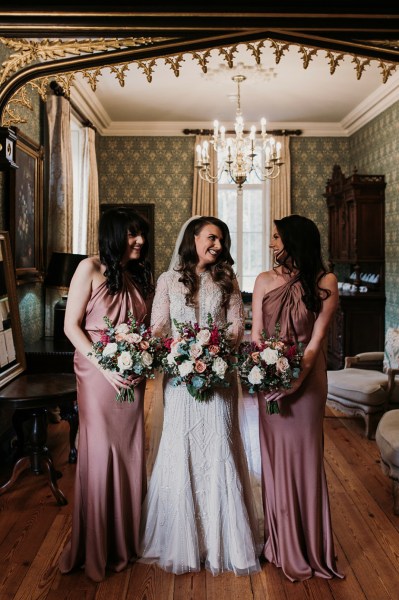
{"x":266,"y":281}
{"x":89,"y":266}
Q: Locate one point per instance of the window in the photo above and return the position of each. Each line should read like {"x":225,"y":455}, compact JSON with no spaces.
{"x":247,"y":214}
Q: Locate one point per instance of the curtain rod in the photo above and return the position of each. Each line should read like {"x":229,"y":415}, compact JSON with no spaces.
{"x":59,"y":91}
{"x":273,"y":131}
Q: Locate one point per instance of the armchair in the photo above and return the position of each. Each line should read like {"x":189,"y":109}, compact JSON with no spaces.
{"x":359,"y":390}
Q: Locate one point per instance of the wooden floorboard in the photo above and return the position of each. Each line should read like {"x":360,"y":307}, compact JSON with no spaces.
{"x":33,"y":531}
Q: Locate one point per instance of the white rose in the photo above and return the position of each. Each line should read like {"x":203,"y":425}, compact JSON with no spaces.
{"x":122,"y":328}
{"x":195,"y":350}
{"x":282,"y":364}
{"x":170,"y":360}
{"x":203,"y":337}
{"x":110,"y":349}
{"x":185,"y":368}
{"x":135,"y":338}
{"x":146,"y":359}
{"x":124,"y":361}
{"x":219,"y":366}
{"x":255,"y":375}
{"x":269,"y":355}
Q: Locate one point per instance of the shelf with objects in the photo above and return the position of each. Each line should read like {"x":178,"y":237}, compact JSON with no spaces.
{"x":356,"y":221}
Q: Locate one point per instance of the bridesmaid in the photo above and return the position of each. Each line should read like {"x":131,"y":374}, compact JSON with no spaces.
{"x":300,"y":295}
{"x":110,"y":480}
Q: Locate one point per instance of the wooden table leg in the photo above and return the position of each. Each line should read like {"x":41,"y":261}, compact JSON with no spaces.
{"x":38,"y":457}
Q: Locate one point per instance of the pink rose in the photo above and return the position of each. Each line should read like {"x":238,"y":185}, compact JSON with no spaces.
{"x":144,"y":345}
{"x":213,"y":349}
{"x":120,"y":337}
{"x":200,"y":366}
{"x":255,"y":357}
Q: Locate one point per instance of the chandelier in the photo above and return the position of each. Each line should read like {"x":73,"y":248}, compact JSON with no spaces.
{"x":238,"y":156}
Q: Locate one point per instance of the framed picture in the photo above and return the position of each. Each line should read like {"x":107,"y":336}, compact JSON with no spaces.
{"x":147,"y":211}
{"x":26,"y":210}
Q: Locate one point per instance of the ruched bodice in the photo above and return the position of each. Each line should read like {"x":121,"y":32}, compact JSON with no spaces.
{"x":284,"y":305}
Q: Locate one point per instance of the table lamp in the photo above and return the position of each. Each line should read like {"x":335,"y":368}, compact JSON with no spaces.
{"x":60,"y":271}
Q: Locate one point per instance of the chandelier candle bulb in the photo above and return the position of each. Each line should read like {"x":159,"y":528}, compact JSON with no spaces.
{"x":240,"y":156}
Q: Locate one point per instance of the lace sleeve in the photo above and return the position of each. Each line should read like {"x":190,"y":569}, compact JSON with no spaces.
{"x":235,"y":315}
{"x":160,"y":315}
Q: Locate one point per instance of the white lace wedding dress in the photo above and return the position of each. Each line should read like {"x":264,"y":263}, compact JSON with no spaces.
{"x":199,"y":506}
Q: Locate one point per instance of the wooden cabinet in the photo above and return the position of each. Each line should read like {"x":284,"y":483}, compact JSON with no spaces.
{"x":356,"y":217}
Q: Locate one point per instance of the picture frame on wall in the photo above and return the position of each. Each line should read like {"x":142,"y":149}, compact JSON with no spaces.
{"x":148,"y":212}
{"x":26,"y":210}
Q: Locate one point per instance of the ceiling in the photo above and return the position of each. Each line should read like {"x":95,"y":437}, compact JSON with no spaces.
{"x":286,"y":94}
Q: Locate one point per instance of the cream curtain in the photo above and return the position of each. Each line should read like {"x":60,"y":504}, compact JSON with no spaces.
{"x":60,"y":204}
{"x":60,"y":199}
{"x":280,"y":188}
{"x":86,"y":207}
{"x":93,"y":212}
{"x":205,"y":195}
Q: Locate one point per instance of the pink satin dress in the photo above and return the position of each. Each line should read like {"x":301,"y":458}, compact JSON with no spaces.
{"x":298,"y":533}
{"x":110,"y":480}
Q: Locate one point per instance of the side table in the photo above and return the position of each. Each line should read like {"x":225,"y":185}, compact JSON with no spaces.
{"x":30,"y":396}
{"x":48,"y":355}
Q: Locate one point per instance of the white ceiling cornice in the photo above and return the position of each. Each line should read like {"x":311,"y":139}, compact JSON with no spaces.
{"x":368,"y":109}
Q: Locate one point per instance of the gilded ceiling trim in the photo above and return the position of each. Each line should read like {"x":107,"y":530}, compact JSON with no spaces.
{"x":33,"y":63}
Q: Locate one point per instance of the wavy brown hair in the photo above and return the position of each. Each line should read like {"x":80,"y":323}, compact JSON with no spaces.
{"x":221,"y":270}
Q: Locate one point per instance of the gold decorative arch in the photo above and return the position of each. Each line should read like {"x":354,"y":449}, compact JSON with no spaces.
{"x":117,"y":40}
{"x":101,"y":53}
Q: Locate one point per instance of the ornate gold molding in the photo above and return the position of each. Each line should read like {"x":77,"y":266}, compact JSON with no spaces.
{"x":28,"y":52}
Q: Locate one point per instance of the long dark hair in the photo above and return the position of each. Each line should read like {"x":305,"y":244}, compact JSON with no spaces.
{"x":114,"y":226}
{"x":302,"y":251}
{"x":221,"y":271}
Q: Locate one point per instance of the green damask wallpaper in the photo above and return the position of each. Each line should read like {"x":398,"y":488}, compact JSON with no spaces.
{"x":312,"y":161}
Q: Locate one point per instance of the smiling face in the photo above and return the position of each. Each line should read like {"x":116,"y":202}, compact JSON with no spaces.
{"x":208,"y":244}
{"x":134,"y":244}
{"x":277,"y":246}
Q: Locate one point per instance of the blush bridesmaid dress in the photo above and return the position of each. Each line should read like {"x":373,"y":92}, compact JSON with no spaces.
{"x":110,"y":479}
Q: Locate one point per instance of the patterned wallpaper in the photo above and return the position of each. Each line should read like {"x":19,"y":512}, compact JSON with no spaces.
{"x":155,"y":170}
{"x":312,"y":161}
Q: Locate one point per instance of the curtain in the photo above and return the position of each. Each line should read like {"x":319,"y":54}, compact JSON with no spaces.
{"x":86,"y":207}
{"x":60,"y":198}
{"x":205,"y":195}
{"x":60,"y":203}
{"x":280,"y":188}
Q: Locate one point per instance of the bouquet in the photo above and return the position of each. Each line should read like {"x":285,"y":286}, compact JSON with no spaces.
{"x":128,"y":348}
{"x":270,"y":366}
{"x":200,"y":357}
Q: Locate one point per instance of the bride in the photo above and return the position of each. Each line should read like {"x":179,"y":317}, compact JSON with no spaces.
{"x":199,"y":506}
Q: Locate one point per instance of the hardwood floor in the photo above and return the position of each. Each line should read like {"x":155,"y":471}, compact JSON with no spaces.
{"x":33,"y":530}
